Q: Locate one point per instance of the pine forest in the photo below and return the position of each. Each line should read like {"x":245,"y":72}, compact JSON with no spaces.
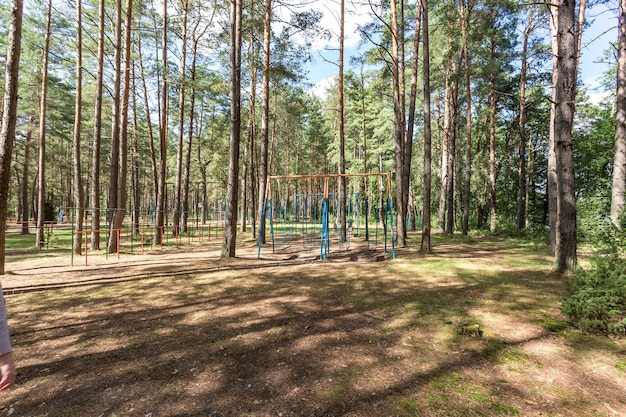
{"x":342,"y":208}
{"x":172,"y":110}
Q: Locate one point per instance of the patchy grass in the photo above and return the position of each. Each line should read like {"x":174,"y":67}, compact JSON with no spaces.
{"x":184,"y":333}
{"x":555,"y":326}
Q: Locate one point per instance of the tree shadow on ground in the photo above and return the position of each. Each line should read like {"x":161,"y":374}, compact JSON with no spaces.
{"x":239,"y":338}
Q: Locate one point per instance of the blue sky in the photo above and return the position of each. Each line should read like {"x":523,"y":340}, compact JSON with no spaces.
{"x":596,"y":39}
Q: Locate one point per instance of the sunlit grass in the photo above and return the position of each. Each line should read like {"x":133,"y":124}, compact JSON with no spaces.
{"x":338,"y":333}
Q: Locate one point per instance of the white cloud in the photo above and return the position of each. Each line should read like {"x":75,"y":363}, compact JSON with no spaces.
{"x":354,"y":15}
{"x":597,"y":98}
{"x":321,"y":88}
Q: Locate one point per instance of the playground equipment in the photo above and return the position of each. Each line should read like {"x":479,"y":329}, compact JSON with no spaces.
{"x":302,"y":210}
{"x":135,"y":237}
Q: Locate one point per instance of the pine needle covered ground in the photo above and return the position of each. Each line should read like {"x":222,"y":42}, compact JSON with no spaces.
{"x":474,"y":329}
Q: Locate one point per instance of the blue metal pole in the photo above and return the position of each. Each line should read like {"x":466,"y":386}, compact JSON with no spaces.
{"x":262,"y":229}
{"x":390,"y":212}
{"x":325,"y":232}
{"x":272,"y":225}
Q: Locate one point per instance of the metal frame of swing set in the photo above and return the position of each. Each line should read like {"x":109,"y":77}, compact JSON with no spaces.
{"x":324,"y":242}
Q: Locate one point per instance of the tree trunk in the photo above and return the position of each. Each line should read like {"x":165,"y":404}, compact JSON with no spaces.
{"x":135,"y":171}
{"x":454,"y":113}
{"x":445,"y":154}
{"x":265,"y":117}
{"x":492,"y":145}
{"x":113,"y":203}
{"x":619,"y":160}
{"x":162,"y":185}
{"x":565,"y":251}
{"x":181,"y":124}
{"x":97,"y":134}
{"x":203,"y":164}
{"x":552,"y":174}
{"x":248,"y":178}
{"x":426,"y":245}
{"x":521,"y":196}
{"x":529,"y":184}
{"x":399,"y":125}
{"x":243,"y":197}
{"x":192,"y":110}
{"x":9,"y":116}
{"x":78,"y":179}
{"x":41,"y":196}
{"x":122,"y":147}
{"x":342,"y":135}
{"x":364,"y":129}
{"x":25,"y":170}
{"x":468,"y":98}
{"x":232,"y":192}
{"x":407,"y":143}
{"x":253,"y":57}
{"x":411,"y":116}
{"x":144,"y":87}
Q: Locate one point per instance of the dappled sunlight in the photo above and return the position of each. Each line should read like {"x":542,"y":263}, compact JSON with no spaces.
{"x":507,"y":327}
{"x":259,"y":337}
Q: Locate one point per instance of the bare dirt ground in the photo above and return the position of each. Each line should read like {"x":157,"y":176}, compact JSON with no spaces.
{"x":184,"y":333}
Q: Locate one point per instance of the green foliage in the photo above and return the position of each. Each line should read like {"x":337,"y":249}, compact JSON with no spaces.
{"x":596,"y":297}
{"x":593,"y":147}
{"x":593,"y":220}
{"x":409,"y":405}
{"x":536,"y":234}
{"x":593,"y":155}
{"x":555,"y":326}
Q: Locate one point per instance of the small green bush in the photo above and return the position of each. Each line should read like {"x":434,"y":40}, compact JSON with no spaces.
{"x":596,"y":297}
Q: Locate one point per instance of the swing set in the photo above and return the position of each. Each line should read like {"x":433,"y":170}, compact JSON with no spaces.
{"x":303,"y":212}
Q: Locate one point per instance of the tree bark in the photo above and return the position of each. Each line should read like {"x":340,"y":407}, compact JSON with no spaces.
{"x":181,"y":124}
{"x":342,"y":135}
{"x":78,"y":179}
{"x":9,"y":116}
{"x":521,"y":196}
{"x":144,"y":87}
{"x":619,"y":159}
{"x":426,"y":244}
{"x":97,"y":134}
{"x":25,"y":171}
{"x":162,"y":181}
{"x":113,"y":203}
{"x":252,"y":132}
{"x":468,"y":93}
{"x":192,"y":119}
{"x":445,"y":154}
{"x":399,"y":125}
{"x":365,"y":167}
{"x":41,"y":196}
{"x":135,"y":168}
{"x":565,"y":251}
{"x":232,"y":192}
{"x":492,"y":144}
{"x":265,"y":117}
{"x":122,"y":125}
{"x":411,"y":116}
{"x":454,"y":113}
{"x":552,"y":174}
